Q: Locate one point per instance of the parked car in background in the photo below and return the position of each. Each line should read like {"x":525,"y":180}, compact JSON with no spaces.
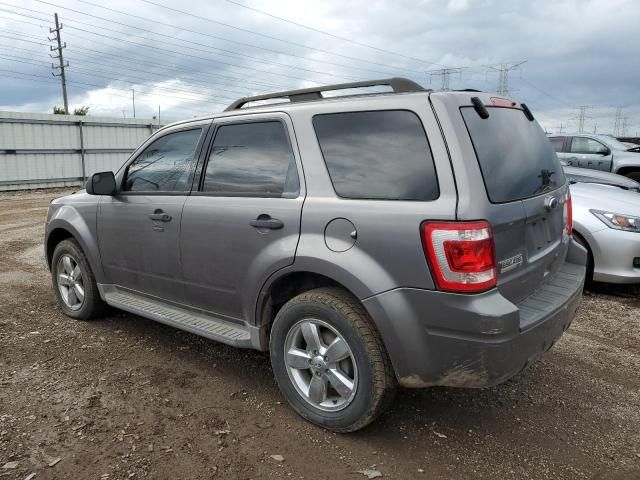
{"x":599,"y":152}
{"x":588,"y":175}
{"x":412,"y":237}
{"x":606,"y":221}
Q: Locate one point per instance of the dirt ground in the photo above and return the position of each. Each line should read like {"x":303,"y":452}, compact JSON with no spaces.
{"x":124,"y":397}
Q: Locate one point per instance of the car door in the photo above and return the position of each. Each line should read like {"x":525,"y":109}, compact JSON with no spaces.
{"x":587,"y":152}
{"x":244,"y":222}
{"x":139,"y":226}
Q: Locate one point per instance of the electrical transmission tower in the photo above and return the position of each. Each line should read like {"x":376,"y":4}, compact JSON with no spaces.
{"x":617,"y":124}
{"x":582,"y":116}
{"x":61,"y":65}
{"x":623,"y":127}
{"x":503,"y":70}
{"x":444,"y":74}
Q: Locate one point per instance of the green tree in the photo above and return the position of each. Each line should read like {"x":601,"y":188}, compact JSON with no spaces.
{"x":81,"y":110}
{"x":59,"y":111}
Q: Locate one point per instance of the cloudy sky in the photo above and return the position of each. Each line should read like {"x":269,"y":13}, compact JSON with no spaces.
{"x":195,"y":57}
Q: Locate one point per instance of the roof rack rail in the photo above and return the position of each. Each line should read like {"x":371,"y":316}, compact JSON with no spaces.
{"x":398,"y":85}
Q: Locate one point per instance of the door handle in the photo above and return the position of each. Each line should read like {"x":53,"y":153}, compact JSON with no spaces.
{"x":160,"y":216}
{"x":265,"y":221}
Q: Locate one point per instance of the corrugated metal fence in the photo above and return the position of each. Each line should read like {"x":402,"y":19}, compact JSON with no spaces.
{"x":41,"y":150}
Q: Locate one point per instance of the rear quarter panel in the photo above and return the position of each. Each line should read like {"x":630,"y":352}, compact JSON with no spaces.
{"x":388,"y":251}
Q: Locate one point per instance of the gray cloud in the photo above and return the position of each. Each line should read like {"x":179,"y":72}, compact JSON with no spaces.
{"x":577,"y":52}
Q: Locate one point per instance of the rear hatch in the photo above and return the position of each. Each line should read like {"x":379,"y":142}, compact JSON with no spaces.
{"x":526,"y":192}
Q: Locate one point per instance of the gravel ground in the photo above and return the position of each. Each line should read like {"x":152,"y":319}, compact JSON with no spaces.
{"x":124,"y":397}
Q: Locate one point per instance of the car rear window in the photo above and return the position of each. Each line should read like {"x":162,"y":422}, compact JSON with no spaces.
{"x":381,"y":155}
{"x":516,"y":159}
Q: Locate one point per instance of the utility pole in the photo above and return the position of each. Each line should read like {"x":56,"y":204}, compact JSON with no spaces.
{"x":61,"y":65}
{"x":159,"y":122}
{"x":617,"y":123}
{"x":595,"y":128}
{"x":444,"y":74}
{"x":133,"y":100}
{"x":503,"y":70}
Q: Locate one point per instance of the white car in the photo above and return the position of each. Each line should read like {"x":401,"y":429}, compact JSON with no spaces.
{"x":606,"y":221}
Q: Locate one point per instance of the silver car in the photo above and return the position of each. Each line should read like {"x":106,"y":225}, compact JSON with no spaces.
{"x":598,"y":152}
{"x":606,"y":221}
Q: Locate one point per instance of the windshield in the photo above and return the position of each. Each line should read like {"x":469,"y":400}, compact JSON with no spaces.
{"x":516,"y":158}
{"x":616,"y":144}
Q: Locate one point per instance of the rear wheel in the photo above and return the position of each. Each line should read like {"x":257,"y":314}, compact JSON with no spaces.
{"x":73,"y":282}
{"x":329,"y":360}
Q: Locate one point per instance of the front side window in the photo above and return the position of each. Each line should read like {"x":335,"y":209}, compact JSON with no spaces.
{"x":381,"y":155}
{"x":252,"y":160}
{"x":585,"y":145}
{"x":167,"y":165}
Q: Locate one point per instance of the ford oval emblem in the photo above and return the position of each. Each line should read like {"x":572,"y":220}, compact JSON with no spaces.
{"x":550,"y":203}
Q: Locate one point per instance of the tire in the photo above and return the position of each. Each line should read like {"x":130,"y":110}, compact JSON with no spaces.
{"x":633,"y":176}
{"x":583,"y":243}
{"x":91,"y":305}
{"x":335,"y":313}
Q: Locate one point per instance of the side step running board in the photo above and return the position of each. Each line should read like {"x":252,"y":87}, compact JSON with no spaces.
{"x":182,"y":318}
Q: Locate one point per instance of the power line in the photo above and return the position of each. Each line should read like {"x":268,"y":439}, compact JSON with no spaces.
{"x":345,"y":39}
{"x":546,"y":93}
{"x":92,"y":73}
{"x":503,"y":70}
{"x":444,"y":74}
{"x":279,"y":52}
{"x":217,"y":76}
{"x":139,"y":62}
{"x":180,"y":53}
{"x":207,"y":48}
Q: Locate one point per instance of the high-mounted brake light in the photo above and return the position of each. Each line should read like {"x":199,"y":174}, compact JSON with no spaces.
{"x":461,"y":255}
{"x":567,"y":216}
{"x":502,"y":102}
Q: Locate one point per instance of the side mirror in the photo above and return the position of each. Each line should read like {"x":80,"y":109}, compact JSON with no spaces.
{"x":604,"y":151}
{"x":101,"y":183}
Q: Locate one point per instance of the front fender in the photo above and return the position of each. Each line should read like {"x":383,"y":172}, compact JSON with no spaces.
{"x":626,"y":161}
{"x":79,"y":221}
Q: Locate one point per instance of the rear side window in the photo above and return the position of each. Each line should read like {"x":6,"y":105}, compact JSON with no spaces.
{"x":252,"y":160}
{"x":516,"y":158}
{"x":382,"y":155}
{"x":557,"y":143}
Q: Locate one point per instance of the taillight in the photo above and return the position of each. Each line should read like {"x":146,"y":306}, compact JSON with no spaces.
{"x":461,"y":255}
{"x":567,"y":215}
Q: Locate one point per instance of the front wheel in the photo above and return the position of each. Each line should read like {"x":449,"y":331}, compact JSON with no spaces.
{"x":329,"y":360}
{"x":633,"y":176}
{"x":73,"y":282}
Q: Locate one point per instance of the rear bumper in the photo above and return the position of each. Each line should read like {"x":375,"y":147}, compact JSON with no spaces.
{"x":438,"y":338}
{"x":613,"y":254}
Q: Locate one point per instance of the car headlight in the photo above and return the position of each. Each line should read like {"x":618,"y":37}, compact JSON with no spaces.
{"x":618,"y":221}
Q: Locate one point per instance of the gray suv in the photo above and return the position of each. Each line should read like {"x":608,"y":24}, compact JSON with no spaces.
{"x":409,"y":237}
{"x":598,"y":152}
